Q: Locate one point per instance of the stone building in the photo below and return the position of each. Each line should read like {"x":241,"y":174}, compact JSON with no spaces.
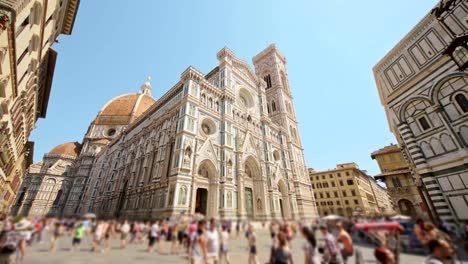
{"x":383,"y":199}
{"x":111,"y":121}
{"x":28,"y":28}
{"x":423,"y":86}
{"x":47,"y":184}
{"x":346,"y":190}
{"x":69,"y":165}
{"x":225,"y":144}
{"x":396,"y":174}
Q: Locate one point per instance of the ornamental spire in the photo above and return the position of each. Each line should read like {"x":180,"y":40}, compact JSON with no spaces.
{"x":146,"y":87}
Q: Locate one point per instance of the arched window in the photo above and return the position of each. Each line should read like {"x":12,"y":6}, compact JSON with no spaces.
{"x":210,"y":102}
{"x":462,"y":102}
{"x":267,"y":79}
{"x":217,"y":106}
{"x":268,"y":108}
{"x":273,"y":106}
{"x":21,"y":197}
{"x":57,"y":198}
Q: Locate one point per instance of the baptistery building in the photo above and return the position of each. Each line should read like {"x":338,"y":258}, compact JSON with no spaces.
{"x":225,"y":144}
{"x":47,"y":183}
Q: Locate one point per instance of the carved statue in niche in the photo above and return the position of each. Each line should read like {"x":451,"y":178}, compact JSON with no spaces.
{"x":187,"y":155}
{"x":259,"y":204}
{"x":229,"y":199}
{"x":202,"y":171}
{"x":247,"y":171}
{"x":182,"y":195}
{"x":229,"y":167}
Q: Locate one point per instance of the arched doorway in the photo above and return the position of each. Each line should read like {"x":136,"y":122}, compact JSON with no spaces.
{"x":406,"y":207}
{"x":206,"y":191}
{"x":121,"y":200}
{"x":284,"y":200}
{"x":201,"y":201}
{"x":254,"y":196}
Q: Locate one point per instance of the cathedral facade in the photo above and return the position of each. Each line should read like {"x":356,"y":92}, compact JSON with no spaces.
{"x":224,"y":144}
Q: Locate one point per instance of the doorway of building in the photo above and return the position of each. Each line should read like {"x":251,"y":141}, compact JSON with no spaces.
{"x":249,"y":203}
{"x":201,"y":201}
{"x":121,"y":200}
{"x":281,"y":207}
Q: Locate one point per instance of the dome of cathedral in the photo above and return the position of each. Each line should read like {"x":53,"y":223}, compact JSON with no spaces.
{"x":70,"y":149}
{"x":125,"y":108}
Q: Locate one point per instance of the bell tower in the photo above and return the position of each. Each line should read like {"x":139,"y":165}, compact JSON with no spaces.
{"x":270,"y":66}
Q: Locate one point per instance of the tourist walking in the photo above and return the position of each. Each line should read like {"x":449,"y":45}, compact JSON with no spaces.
{"x":213,"y":244}
{"x":98,"y":236}
{"x":309,"y":246}
{"x":332,"y":254}
{"x":224,"y":248}
{"x":441,"y":252}
{"x":345,"y":239}
{"x":252,"y":243}
{"x":13,"y":241}
{"x":175,"y":239}
{"x":124,"y":231}
{"x":78,"y":234}
{"x":281,"y":254}
{"x":198,"y":248}
{"x":56,"y":234}
{"x":153,"y":236}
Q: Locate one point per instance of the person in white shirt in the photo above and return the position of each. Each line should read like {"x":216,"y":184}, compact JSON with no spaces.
{"x":153,"y":236}
{"x":212,"y":236}
{"x":124,"y":230}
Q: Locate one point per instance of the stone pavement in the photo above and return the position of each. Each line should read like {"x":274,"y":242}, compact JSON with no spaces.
{"x":136,"y":253}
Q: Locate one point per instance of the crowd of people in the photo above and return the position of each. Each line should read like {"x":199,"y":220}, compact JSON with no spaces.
{"x":207,"y":240}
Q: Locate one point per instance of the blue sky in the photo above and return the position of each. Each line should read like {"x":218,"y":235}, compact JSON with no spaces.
{"x":331,"y":47}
